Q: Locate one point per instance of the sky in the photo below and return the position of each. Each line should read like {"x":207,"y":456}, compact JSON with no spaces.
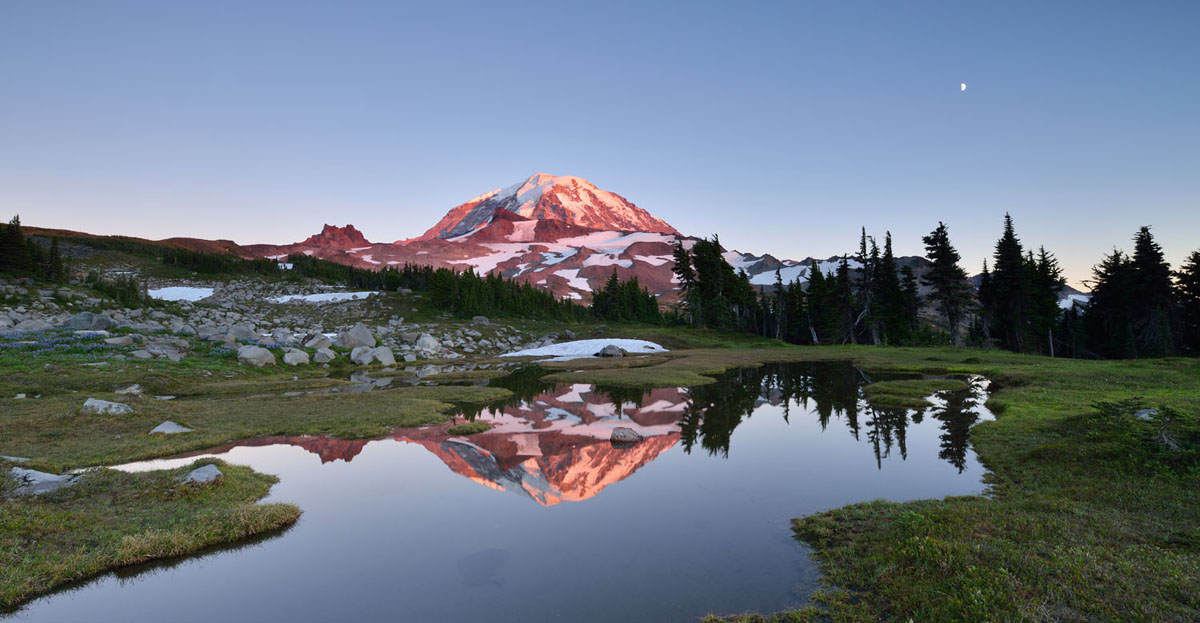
{"x":783,"y":127}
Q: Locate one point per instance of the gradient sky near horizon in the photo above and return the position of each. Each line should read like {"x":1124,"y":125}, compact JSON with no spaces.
{"x":783,"y":127}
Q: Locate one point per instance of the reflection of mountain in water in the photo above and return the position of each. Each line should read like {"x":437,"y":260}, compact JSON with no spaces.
{"x":551,"y":443}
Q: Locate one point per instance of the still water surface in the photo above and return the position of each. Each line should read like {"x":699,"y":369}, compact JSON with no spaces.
{"x":543,"y":519}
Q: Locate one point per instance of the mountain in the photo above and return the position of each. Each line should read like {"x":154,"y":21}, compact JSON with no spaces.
{"x":338,"y":237}
{"x":567,"y":199}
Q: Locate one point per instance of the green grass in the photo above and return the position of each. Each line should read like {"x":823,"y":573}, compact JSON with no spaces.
{"x":111,"y":519}
{"x":908,"y":393}
{"x":469,"y":428}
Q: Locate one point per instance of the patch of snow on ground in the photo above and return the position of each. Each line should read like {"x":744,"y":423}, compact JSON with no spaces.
{"x":654,"y":260}
{"x":324,"y":297}
{"x":607,"y":259}
{"x":614,"y":241}
{"x":737,"y":260}
{"x":586,"y":348}
{"x":485,"y":264}
{"x":367,"y":259}
{"x":550,"y":258}
{"x":180,"y":293}
{"x":573,"y":279}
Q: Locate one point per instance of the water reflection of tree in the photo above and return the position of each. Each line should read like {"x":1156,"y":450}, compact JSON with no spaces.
{"x":829,"y":390}
{"x":957,"y":415}
{"x":525,"y":383}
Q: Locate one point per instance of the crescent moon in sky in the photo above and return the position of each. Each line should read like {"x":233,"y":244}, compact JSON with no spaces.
{"x":964,"y":86}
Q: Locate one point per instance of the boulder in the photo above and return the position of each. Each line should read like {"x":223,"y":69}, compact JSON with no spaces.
{"x":141,"y":354}
{"x":32,"y":482}
{"x":624,"y":434}
{"x":283,"y":336}
{"x":384,"y":356}
{"x":243,"y":331}
{"x":87,"y":321}
{"x":103,"y":407}
{"x":481,"y":320}
{"x":256,"y":356}
{"x":610,"y":351}
{"x":295,"y":357}
{"x":170,"y":428}
{"x":203,"y":475}
{"x":33,"y":324}
{"x":318,"y":341}
{"x":123,"y":340}
{"x":365,"y":356}
{"x":360,"y":335}
{"x":324,"y":355}
{"x":427,"y":343}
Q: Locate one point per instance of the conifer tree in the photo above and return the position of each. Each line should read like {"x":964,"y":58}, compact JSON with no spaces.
{"x":1108,"y":316}
{"x":1008,"y":290}
{"x":951,"y":292}
{"x":1187,"y":289}
{"x":1153,"y":312}
{"x":1046,"y":284}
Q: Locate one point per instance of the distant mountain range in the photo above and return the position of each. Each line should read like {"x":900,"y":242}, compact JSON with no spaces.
{"x":560,"y":233}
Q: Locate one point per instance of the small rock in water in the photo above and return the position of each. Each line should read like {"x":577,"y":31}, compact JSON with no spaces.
{"x":104,"y":407}
{"x":170,"y":428}
{"x":624,"y":434}
{"x":205,"y":474}
{"x":32,"y":482}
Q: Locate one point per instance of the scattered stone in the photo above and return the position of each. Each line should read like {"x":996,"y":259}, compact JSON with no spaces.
{"x":295,"y":357}
{"x":141,"y":354}
{"x":164,"y":398}
{"x":104,"y":407}
{"x":384,"y":356}
{"x":624,"y":434}
{"x":123,"y":340}
{"x":15,"y":459}
{"x":243,"y":331}
{"x":132,"y":390}
{"x":32,"y":482}
{"x":481,"y":320}
{"x":283,"y":336}
{"x":170,"y":428}
{"x":365,"y":356}
{"x":324,"y":355}
{"x":360,"y":335}
{"x":409,"y":357}
{"x":610,"y":351}
{"x":569,"y":334}
{"x":318,"y":342}
{"x":91,"y":333}
{"x":87,"y":321}
{"x":256,"y":356}
{"x":427,"y":343}
{"x":203,"y":475}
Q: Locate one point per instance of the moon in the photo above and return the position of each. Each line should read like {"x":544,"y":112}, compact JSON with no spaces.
{"x":963,"y":86}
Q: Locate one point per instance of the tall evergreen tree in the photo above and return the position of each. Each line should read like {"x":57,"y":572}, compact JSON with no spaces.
{"x":1153,"y":312}
{"x":1108,"y":318}
{"x":1046,"y":283}
{"x":1187,"y":288}
{"x":951,"y":293}
{"x":14,"y":252}
{"x":1008,"y":291}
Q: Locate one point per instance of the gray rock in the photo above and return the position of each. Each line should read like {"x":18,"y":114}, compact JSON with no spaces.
{"x":32,"y":482}
{"x":365,"y":356}
{"x":203,"y":475}
{"x":132,"y":390}
{"x":409,"y":338}
{"x":243,"y":331}
{"x":295,"y":357}
{"x":170,"y":428}
{"x":569,"y":334}
{"x":318,"y":342}
{"x":103,"y":407}
{"x":360,"y":335}
{"x":33,"y":324}
{"x":256,"y":356}
{"x":384,"y":356}
{"x":123,"y":340}
{"x":409,"y":357}
{"x":89,"y":333}
{"x":481,"y":320}
{"x":283,"y":336}
{"x":610,"y":351}
{"x":324,"y":355}
{"x":142,"y":354}
{"x":623,"y":434}
{"x":15,"y":459}
{"x":1145,"y":414}
{"x":87,"y":321}
{"x":427,"y":343}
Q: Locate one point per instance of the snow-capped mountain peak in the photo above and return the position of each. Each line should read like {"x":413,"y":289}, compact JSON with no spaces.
{"x":572,"y":200}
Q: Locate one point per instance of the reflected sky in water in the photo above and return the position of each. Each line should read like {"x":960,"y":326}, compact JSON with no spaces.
{"x":542,"y":518}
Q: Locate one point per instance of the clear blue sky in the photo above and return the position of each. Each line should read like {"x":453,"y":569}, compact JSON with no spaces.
{"x":783,"y":127}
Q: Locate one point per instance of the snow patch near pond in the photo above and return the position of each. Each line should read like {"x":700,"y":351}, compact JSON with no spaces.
{"x":324,"y":297}
{"x":564,"y":351}
{"x":180,"y":293}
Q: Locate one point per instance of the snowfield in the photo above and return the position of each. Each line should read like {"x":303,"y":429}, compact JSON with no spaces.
{"x":565,"y":351}
{"x":180,"y":293}
{"x":324,"y":297}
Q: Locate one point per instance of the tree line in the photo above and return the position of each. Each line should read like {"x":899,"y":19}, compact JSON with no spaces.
{"x":1139,"y":307}
{"x":22,"y":256}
